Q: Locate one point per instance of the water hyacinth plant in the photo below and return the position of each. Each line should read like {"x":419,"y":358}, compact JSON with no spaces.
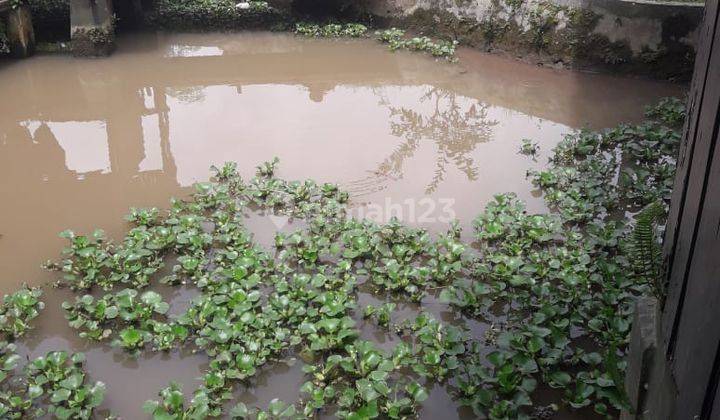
{"x":18,"y":309}
{"x":332,"y":30}
{"x":54,"y":384}
{"x":396,"y":40}
{"x":555,"y":290}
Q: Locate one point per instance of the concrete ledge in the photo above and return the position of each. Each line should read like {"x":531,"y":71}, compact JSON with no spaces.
{"x":640,"y":8}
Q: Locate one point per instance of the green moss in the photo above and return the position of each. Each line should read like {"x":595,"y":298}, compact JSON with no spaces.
{"x":543,"y":22}
{"x":514,"y":4}
{"x":573,"y":41}
{"x":444,"y":25}
{"x":581,"y":20}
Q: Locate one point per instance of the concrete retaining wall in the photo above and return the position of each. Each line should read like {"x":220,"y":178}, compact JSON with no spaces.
{"x":646,"y":37}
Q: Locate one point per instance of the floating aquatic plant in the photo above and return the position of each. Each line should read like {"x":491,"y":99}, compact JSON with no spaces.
{"x":18,"y":309}
{"x":60,"y":379}
{"x":529,"y":147}
{"x":548,"y":283}
{"x":396,"y":40}
{"x":332,"y":30}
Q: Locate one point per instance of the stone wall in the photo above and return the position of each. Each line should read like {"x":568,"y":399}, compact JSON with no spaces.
{"x":645,"y":37}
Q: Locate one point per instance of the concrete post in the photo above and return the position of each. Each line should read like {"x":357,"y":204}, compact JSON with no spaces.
{"x":20,"y":32}
{"x":92,"y":32}
{"x":643,"y":348}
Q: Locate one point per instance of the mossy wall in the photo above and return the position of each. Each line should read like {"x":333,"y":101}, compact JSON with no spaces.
{"x":642,"y":38}
{"x":646,"y":37}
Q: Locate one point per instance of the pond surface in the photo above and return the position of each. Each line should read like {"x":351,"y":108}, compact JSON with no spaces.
{"x":82,"y":141}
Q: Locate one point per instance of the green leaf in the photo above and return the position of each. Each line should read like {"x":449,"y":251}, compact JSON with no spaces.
{"x":240,"y":411}
{"x":560,"y":379}
{"x":150,"y":406}
{"x":151,"y":298}
{"x":418,"y":393}
{"x":34,"y":391}
{"x":60,"y":395}
{"x":130,"y":337}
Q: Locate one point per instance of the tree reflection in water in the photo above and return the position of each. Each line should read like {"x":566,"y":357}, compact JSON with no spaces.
{"x":455,"y":124}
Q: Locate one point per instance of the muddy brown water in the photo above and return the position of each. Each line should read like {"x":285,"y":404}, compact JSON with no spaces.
{"x":82,"y":141}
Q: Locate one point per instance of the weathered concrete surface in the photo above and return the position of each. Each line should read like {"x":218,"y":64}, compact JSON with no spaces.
{"x":647,"y":367}
{"x":660,"y":402}
{"x":635,"y":36}
{"x":92,"y":31}
{"x":20,"y":34}
{"x":643,"y":346}
{"x":642,"y":24}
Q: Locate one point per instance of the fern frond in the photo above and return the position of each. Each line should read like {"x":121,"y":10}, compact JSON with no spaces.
{"x":645,"y":246}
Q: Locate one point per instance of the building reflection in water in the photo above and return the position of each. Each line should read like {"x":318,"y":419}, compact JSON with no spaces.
{"x":127,"y":143}
{"x":144,"y":124}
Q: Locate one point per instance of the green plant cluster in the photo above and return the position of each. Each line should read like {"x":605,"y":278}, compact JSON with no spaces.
{"x":380,"y":314}
{"x":54,"y":384}
{"x":529,"y":148}
{"x":570,"y":276}
{"x":59,"y":379}
{"x":581,"y":182}
{"x":558,"y":290}
{"x":254,"y":309}
{"x":395,"y":38}
{"x":332,"y":30}
{"x":18,"y":309}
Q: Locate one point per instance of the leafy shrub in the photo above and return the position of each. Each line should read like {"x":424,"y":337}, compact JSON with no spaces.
{"x":213,"y":14}
{"x":18,"y":309}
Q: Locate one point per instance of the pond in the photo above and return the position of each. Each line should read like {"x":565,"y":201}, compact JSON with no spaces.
{"x":82,"y":141}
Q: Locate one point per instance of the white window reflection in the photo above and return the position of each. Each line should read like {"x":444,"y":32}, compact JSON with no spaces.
{"x":192,"y":51}
{"x":85,"y":144}
{"x":151,"y":142}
